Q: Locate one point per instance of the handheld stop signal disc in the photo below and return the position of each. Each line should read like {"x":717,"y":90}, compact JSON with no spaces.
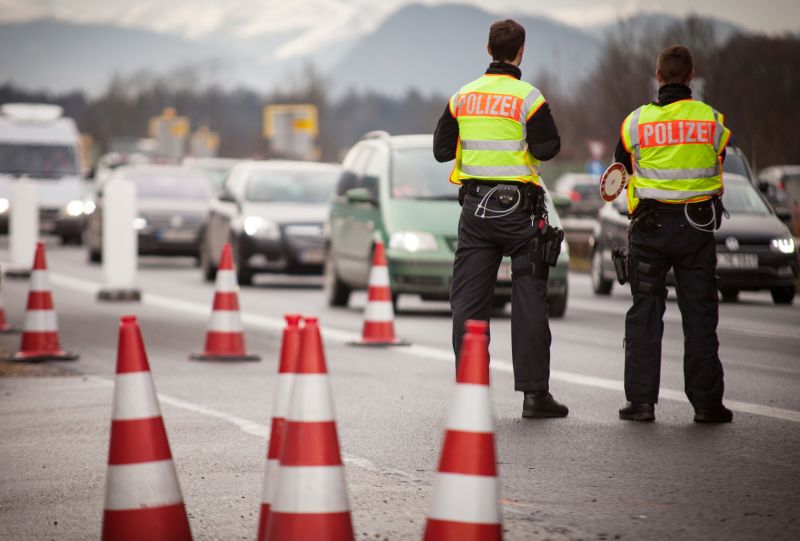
{"x":613,"y":181}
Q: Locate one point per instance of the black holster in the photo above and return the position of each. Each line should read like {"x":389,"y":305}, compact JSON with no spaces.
{"x":621,"y":264}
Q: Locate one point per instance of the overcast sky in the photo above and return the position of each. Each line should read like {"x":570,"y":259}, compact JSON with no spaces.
{"x":199,"y":17}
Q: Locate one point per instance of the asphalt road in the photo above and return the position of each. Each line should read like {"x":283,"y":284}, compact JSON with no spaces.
{"x":589,"y":476}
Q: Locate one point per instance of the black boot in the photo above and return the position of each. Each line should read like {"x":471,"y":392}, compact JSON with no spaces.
{"x":638,"y":411}
{"x":542,"y":405}
{"x":716,"y":414}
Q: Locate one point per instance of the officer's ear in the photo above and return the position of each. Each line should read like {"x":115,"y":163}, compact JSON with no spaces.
{"x":518,"y":59}
{"x":689,"y":79}
{"x":659,"y":78}
{"x":489,"y":50}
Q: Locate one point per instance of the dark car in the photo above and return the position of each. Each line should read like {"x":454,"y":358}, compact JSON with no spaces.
{"x":582,"y":190}
{"x":754,"y":248}
{"x":172,"y":203}
{"x":272,"y":213}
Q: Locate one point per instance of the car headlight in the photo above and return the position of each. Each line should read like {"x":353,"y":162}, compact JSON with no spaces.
{"x":256,"y":226}
{"x":3,"y":205}
{"x":139,"y":223}
{"x":89,"y":207}
{"x":413,"y":241}
{"x":784,"y":245}
{"x":75,"y":208}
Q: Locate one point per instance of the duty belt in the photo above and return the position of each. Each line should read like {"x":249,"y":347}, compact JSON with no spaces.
{"x":483,"y":187}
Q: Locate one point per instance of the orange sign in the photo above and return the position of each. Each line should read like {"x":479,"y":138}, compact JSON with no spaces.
{"x":488,"y":104}
{"x":676,"y":132}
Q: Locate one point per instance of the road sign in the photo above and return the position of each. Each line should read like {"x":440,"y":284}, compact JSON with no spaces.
{"x":595,"y":167}
{"x":170,"y":132}
{"x":292,"y":130}
{"x":204,"y":143}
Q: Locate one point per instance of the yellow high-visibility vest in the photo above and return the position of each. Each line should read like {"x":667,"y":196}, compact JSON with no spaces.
{"x":676,"y":152}
{"x":492,"y":113}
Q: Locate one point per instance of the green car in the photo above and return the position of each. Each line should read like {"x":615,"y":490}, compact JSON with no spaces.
{"x":393,"y":190}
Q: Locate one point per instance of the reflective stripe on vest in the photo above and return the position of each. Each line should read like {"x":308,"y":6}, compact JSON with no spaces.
{"x":492,"y":113}
{"x":675,"y":150}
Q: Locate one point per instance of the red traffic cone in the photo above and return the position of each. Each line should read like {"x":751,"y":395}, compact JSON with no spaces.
{"x":4,"y":326}
{"x":225,"y":336}
{"x":40,"y":333}
{"x":311,"y":502}
{"x":143,"y":497}
{"x":466,"y":490}
{"x":378,"y":327}
{"x":290,"y":349}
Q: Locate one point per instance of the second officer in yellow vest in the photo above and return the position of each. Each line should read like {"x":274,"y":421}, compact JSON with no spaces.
{"x":674,"y":149}
{"x":497,"y":128}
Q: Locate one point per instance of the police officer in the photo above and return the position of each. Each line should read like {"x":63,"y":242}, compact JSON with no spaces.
{"x":497,"y":128}
{"x":674,"y":150}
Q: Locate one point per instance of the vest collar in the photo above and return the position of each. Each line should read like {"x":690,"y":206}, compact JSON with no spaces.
{"x":671,"y":93}
{"x":504,"y":68}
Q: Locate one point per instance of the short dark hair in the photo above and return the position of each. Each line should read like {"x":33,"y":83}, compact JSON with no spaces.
{"x":675,"y":64}
{"x":505,"y":39}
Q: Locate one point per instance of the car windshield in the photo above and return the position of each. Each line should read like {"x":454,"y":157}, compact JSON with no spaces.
{"x":168,"y":185}
{"x":51,"y":161}
{"x":217,"y":175}
{"x":291,"y":185}
{"x":741,"y":198}
{"x":417,"y":175}
{"x":735,"y":163}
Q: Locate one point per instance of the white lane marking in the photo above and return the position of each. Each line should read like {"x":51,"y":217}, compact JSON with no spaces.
{"x":146,"y":484}
{"x":427,"y":352}
{"x":249,"y":427}
{"x":465,"y":498}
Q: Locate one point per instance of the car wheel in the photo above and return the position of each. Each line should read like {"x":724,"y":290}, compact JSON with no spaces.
{"x":557,"y":306}
{"x":730,"y":295}
{"x":600,"y":285}
{"x":336,"y":292}
{"x":206,"y":265}
{"x":95,"y":256}
{"x":783,"y":295}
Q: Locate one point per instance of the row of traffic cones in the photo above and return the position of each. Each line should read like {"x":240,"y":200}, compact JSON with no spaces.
{"x":304,"y":493}
{"x":225,"y":335}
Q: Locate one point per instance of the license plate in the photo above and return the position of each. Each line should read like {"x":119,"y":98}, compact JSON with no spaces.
{"x":504,"y":272}
{"x":312,"y":256}
{"x":737,"y":261}
{"x":177,"y":235}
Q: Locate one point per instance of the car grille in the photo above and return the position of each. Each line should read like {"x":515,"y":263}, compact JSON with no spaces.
{"x":421,"y":280}
{"x":173,"y":220}
{"x":48,"y":215}
{"x":303,"y":236}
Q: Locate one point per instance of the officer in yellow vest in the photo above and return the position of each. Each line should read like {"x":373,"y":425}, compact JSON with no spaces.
{"x":497,"y":128}
{"x":674,"y":150}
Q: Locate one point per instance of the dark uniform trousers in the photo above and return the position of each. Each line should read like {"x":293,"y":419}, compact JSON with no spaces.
{"x":482,"y":243}
{"x":670,"y":241}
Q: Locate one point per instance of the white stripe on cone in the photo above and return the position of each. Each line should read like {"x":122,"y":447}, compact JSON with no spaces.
{"x":470,"y":409}
{"x":269,"y":490}
{"x":379,"y":311}
{"x":135,"y":397}
{"x":226,"y":281}
{"x":39,"y":281}
{"x":379,"y":276}
{"x":284,"y":395}
{"x":40,"y":321}
{"x":311,"y":489}
{"x":465,"y":498}
{"x":225,"y":321}
{"x":137,"y":486}
{"x":311,"y":396}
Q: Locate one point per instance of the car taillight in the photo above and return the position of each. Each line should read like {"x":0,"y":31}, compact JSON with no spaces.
{"x":574,"y":196}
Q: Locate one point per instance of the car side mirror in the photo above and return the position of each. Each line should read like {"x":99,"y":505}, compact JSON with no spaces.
{"x":561,"y":202}
{"x":783,"y":214}
{"x":763,"y":187}
{"x":226,"y":196}
{"x":360,"y":195}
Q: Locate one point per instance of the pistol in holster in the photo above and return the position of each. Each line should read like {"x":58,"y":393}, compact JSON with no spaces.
{"x":621,"y":263}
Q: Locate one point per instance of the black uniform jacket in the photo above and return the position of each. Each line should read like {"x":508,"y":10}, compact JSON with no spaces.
{"x":542,"y":134}
{"x":667,"y":94}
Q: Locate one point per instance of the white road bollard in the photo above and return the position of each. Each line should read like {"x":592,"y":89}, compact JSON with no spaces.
{"x":23,"y":227}
{"x":120,"y":242}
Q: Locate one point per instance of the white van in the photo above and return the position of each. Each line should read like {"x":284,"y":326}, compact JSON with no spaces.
{"x":39,"y":143}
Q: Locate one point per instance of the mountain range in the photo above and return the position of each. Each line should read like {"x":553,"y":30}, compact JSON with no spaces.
{"x":432,"y":49}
